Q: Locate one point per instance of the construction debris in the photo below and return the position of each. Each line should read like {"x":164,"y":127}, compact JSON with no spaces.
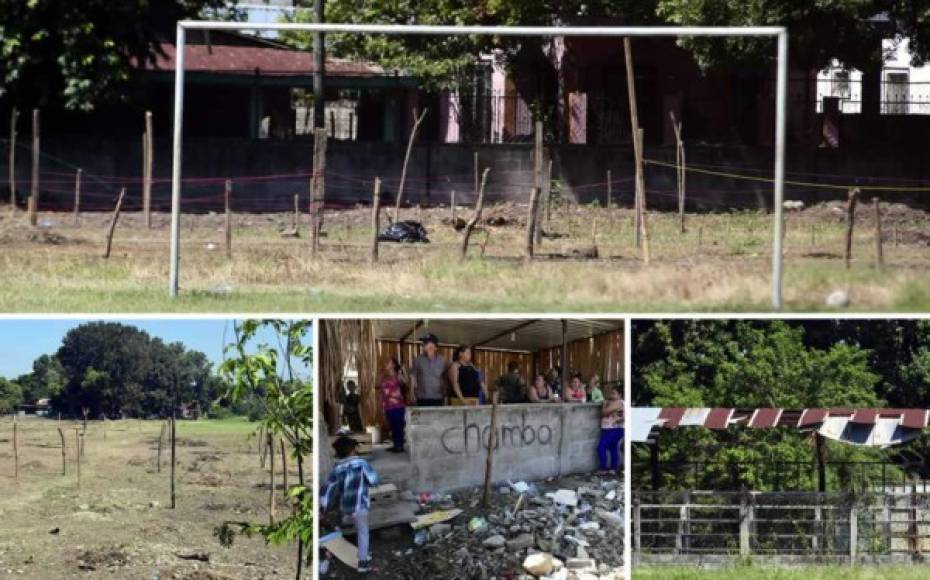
{"x":569,"y":528}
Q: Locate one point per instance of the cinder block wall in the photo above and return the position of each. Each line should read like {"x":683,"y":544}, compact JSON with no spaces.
{"x":448,"y":445}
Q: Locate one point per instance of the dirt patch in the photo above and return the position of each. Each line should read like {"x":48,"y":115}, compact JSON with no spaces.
{"x":102,"y":558}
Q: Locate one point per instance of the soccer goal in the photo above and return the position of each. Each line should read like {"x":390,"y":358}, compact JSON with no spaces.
{"x":778,"y":32}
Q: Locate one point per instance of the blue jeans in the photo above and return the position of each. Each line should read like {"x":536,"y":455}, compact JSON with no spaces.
{"x":360,"y":519}
{"x":609,"y":445}
{"x":397,"y":420}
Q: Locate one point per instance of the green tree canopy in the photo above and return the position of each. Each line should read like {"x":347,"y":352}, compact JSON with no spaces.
{"x":81,"y":53}
{"x":11,"y":395}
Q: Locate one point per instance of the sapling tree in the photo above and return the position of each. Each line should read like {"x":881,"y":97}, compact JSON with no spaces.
{"x":269,"y":362}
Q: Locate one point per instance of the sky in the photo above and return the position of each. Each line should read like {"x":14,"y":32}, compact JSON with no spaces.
{"x":22,"y":341}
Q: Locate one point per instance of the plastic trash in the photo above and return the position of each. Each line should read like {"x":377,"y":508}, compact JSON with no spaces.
{"x":409,"y":232}
{"x":421,"y":537}
{"x":477,"y":525}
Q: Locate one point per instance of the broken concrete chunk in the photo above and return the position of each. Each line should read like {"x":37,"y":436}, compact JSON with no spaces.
{"x":539,"y":564}
{"x":565,"y":497}
{"x":521,"y":542}
{"x":495,"y":541}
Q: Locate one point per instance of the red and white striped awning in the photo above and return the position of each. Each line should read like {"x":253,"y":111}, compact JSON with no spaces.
{"x":873,"y":427}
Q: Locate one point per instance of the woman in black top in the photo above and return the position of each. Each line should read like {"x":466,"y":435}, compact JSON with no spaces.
{"x":465,"y":378}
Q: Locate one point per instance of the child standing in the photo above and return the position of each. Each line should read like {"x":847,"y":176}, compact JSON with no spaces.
{"x":608,"y":453}
{"x":392,"y":388}
{"x":351,"y":479}
{"x":595,"y":394}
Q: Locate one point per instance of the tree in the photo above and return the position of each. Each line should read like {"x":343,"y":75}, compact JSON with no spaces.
{"x":82,"y":53}
{"x":271,"y":375}
{"x":45,"y":381}
{"x":740,"y":363}
{"x":11,"y":396}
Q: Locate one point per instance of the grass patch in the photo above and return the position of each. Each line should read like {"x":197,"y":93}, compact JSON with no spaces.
{"x":801,"y":573}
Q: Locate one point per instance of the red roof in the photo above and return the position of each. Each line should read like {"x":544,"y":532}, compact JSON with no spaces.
{"x":265,"y":60}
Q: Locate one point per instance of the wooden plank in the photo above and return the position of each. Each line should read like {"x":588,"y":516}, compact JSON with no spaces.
{"x":426,"y":520}
{"x":341,"y":549}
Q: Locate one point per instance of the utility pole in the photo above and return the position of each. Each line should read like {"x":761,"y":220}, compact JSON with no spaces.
{"x":319,"y":119}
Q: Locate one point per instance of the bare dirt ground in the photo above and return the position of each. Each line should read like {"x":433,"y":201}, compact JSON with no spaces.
{"x":587,"y":262}
{"x":119,"y":523}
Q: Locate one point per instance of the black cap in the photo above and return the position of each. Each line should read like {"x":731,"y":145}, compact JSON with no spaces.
{"x":430,"y":337}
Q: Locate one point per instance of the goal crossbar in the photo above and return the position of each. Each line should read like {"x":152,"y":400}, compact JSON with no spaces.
{"x":780,"y":33}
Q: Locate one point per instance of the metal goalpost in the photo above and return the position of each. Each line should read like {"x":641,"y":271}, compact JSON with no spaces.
{"x":780,"y":33}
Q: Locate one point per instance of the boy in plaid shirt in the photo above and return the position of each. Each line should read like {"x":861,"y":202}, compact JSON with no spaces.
{"x":351,"y":478}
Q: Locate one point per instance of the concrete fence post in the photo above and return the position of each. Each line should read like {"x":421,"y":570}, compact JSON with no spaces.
{"x":745,"y":524}
{"x":853,"y":532}
{"x":637,"y":530}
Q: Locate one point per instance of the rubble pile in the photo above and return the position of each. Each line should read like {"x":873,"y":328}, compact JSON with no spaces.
{"x":559,"y":529}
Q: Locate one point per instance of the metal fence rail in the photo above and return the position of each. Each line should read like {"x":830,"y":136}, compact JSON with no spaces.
{"x":799,"y":525}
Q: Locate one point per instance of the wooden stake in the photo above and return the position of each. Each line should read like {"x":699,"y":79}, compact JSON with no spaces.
{"x":484,"y":242}
{"x":64,"y":457}
{"x":77,"y":454}
{"x":452,"y":205}
{"x":227,"y":194}
{"x":284,"y":466}
{"x":161,"y":438}
{"x":609,"y":189}
{"x":34,"y":186}
{"x":531,"y":222}
{"x":879,"y":254}
{"x":896,"y":234}
{"x":641,"y":186}
{"x":296,"y":214}
{"x":147,"y":155}
{"x":77,"y":197}
{"x":375,"y":219}
{"x":14,"y":118}
{"x":850,"y":223}
{"x":15,"y":447}
{"x":477,"y":176}
{"x":680,"y":169}
{"x":492,"y":443}
{"x":594,"y":234}
{"x":113,"y":220}
{"x":403,"y":172}
{"x":537,"y":183}
{"x":270,"y":480}
{"x":479,"y":205}
{"x":634,"y":133}
{"x":173,"y":457}
{"x":548,"y":193}
{"x":318,"y":188}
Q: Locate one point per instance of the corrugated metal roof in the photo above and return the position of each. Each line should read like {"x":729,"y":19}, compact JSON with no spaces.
{"x":527,"y":335}
{"x":264,"y":60}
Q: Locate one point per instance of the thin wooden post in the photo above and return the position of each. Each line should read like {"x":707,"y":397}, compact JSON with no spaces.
{"x":147,"y":155}
{"x":15,"y":447}
{"x":271,"y":502}
{"x":548,"y":193}
{"x":537,"y":182}
{"x":77,"y":454}
{"x":34,"y":185}
{"x":297,"y":214}
{"x":173,"y":456}
{"x":318,"y":189}
{"x":745,"y":524}
{"x":479,"y":205}
{"x":403,"y":172}
{"x":641,"y":187}
{"x":637,"y":528}
{"x":477,"y":175}
{"x":375,"y":219}
{"x":879,"y":254}
{"x":161,"y":438}
{"x":681,"y":171}
{"x":77,"y":196}
{"x":531,"y":222}
{"x":14,"y":118}
{"x":452,"y":206}
{"x":492,"y":443}
{"x":113,"y":220}
{"x":850,"y":223}
{"x":634,"y":130}
{"x":227,"y":194}
{"x":283,"y":465}
{"x":64,"y":457}
{"x":484,"y":242}
{"x":609,"y":189}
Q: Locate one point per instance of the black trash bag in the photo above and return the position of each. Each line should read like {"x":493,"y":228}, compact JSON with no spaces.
{"x":408,"y":232}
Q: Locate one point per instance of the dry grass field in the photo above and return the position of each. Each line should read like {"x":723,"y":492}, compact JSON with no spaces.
{"x":722,"y":263}
{"x":119,"y":523}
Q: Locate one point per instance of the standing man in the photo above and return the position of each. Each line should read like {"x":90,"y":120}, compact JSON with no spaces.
{"x":427,"y":373}
{"x":511,"y":386}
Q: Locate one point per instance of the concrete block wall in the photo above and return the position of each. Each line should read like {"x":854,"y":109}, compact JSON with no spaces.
{"x":448,"y":445}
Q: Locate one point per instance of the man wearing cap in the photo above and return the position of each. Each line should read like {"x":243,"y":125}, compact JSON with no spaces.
{"x":427,"y":373}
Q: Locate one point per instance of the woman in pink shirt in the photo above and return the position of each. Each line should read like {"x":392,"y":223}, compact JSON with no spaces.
{"x":576,"y":392}
{"x":392,"y":388}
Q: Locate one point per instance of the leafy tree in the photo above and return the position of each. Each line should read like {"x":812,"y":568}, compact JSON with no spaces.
{"x":710,"y":363}
{"x":11,"y":396}
{"x":45,"y":381}
{"x":271,"y":374}
{"x":81,"y":53}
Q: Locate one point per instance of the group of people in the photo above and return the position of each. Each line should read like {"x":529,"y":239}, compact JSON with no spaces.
{"x":432,"y":382}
